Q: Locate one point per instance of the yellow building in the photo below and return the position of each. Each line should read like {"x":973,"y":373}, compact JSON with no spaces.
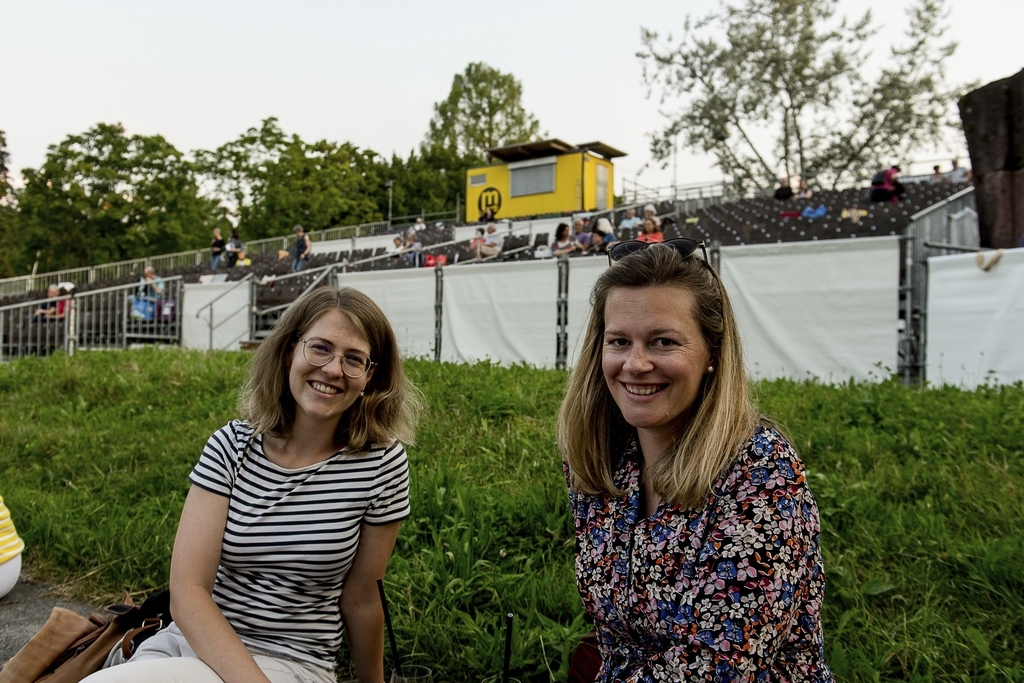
{"x":546,"y":177}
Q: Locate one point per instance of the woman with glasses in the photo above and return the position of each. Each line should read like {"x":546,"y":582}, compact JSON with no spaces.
{"x":697,"y":551}
{"x":294,"y":511}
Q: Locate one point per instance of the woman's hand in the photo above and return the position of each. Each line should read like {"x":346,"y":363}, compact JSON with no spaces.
{"x":193,"y":569}
{"x":360,"y":600}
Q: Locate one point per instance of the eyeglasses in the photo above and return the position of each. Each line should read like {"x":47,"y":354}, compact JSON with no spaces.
{"x":684,"y":246}
{"x":319,"y":353}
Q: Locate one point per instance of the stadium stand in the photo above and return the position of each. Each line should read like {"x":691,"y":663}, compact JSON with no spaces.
{"x":755,"y":220}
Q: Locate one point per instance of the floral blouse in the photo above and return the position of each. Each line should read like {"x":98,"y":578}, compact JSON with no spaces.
{"x":731,"y":591}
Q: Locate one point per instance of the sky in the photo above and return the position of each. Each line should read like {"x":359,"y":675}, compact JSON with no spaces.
{"x":201,"y":72}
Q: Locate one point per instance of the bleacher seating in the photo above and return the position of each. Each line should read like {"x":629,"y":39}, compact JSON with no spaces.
{"x":754,"y":220}
{"x":758,"y":220}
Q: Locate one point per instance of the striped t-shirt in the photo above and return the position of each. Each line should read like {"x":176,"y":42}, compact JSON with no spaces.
{"x":291,"y":537}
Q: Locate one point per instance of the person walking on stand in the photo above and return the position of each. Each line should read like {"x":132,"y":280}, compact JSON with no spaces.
{"x":303,"y":247}
{"x":217,"y":246}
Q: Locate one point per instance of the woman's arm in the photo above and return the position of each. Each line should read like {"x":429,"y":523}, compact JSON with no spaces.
{"x":193,"y":568}
{"x":360,"y":600}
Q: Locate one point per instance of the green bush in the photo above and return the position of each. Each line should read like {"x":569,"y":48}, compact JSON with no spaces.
{"x":919,"y":491}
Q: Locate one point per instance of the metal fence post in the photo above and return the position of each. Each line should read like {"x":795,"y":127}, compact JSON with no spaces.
{"x":438,"y":310}
{"x":715,"y":254}
{"x":71,"y":328}
{"x":562,"y":333}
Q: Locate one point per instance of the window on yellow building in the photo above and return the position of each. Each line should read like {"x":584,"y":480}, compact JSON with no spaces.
{"x":532,"y":180}
{"x":477,"y":179}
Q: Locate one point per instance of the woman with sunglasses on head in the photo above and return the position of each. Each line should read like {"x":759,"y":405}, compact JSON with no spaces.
{"x":697,"y":551}
{"x":293,"y":512}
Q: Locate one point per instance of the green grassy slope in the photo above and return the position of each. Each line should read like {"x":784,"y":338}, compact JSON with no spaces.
{"x":920,"y":495}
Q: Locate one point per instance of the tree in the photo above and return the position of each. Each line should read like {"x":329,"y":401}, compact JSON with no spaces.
{"x":431,"y":181}
{"x":270,"y":181}
{"x":9,"y":250}
{"x":483,"y":110}
{"x":776,"y":87}
{"x":104,"y":196}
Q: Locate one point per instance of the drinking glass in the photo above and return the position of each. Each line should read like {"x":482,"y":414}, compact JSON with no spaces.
{"x":412,"y":673}
{"x":497,"y":679}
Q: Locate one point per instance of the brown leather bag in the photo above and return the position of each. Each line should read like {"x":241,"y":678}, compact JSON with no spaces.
{"x":69,"y":647}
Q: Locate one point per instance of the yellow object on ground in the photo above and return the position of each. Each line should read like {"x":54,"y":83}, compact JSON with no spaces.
{"x":10,"y":544}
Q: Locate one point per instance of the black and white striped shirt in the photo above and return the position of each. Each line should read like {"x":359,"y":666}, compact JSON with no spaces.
{"x":291,"y":537}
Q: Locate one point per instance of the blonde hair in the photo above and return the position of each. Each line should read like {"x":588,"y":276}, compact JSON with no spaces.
{"x":591,"y":428}
{"x":388,"y":410}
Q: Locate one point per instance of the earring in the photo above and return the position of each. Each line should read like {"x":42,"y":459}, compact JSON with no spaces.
{"x":362,"y":393}
{"x":711,"y":368}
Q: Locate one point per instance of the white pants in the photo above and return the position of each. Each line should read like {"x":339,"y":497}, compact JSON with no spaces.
{"x":167,"y":658}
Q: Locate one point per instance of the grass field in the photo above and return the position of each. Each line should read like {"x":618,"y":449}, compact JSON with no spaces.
{"x":920,"y":495}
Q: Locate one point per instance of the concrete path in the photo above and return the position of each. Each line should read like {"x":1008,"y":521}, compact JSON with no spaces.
{"x":23,"y":612}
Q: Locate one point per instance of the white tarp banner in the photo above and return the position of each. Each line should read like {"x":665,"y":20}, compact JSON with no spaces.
{"x":975,"y":326}
{"x":407,"y":298}
{"x":826,"y":310}
{"x":505,"y":312}
{"x":230,"y":315}
{"x":583,"y":273}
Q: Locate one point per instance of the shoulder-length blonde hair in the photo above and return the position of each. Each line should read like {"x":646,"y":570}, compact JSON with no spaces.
{"x":388,"y":410}
{"x":591,"y":428}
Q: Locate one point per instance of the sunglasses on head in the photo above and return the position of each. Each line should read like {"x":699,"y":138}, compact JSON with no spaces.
{"x":684,"y":246}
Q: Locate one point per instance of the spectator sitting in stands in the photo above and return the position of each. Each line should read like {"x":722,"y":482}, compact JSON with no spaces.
{"x":487,"y":216}
{"x":577,"y":231}
{"x":242,"y":261}
{"x":565,"y":243}
{"x":413,"y":249}
{"x":886,"y":187}
{"x":233,"y":247}
{"x":478,"y":239}
{"x":650,"y":213}
{"x":603,"y":227}
{"x":959,"y":175}
{"x":803,"y":192}
{"x":652,"y":232}
{"x":55,"y":309}
{"x":417,"y":226}
{"x":784,"y":192}
{"x":151,"y":285}
{"x":597,"y":243}
{"x":492,"y":244}
{"x":630,"y":221}
{"x":937,"y":176}
{"x":396,"y":247}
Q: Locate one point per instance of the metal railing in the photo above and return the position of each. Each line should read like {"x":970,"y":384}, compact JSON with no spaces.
{"x":36,"y":328}
{"x":946,"y":227}
{"x":112,"y":317}
{"x":166,"y":262}
{"x":638,"y":194}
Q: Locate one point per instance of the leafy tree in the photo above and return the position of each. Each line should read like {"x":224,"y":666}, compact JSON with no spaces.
{"x":271,"y":181}
{"x":9,"y":250}
{"x":482,"y":111}
{"x":430,"y":181}
{"x":773,"y":87}
{"x":104,"y":196}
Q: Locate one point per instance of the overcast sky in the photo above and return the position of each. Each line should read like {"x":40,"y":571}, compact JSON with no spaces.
{"x":200,"y":73}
